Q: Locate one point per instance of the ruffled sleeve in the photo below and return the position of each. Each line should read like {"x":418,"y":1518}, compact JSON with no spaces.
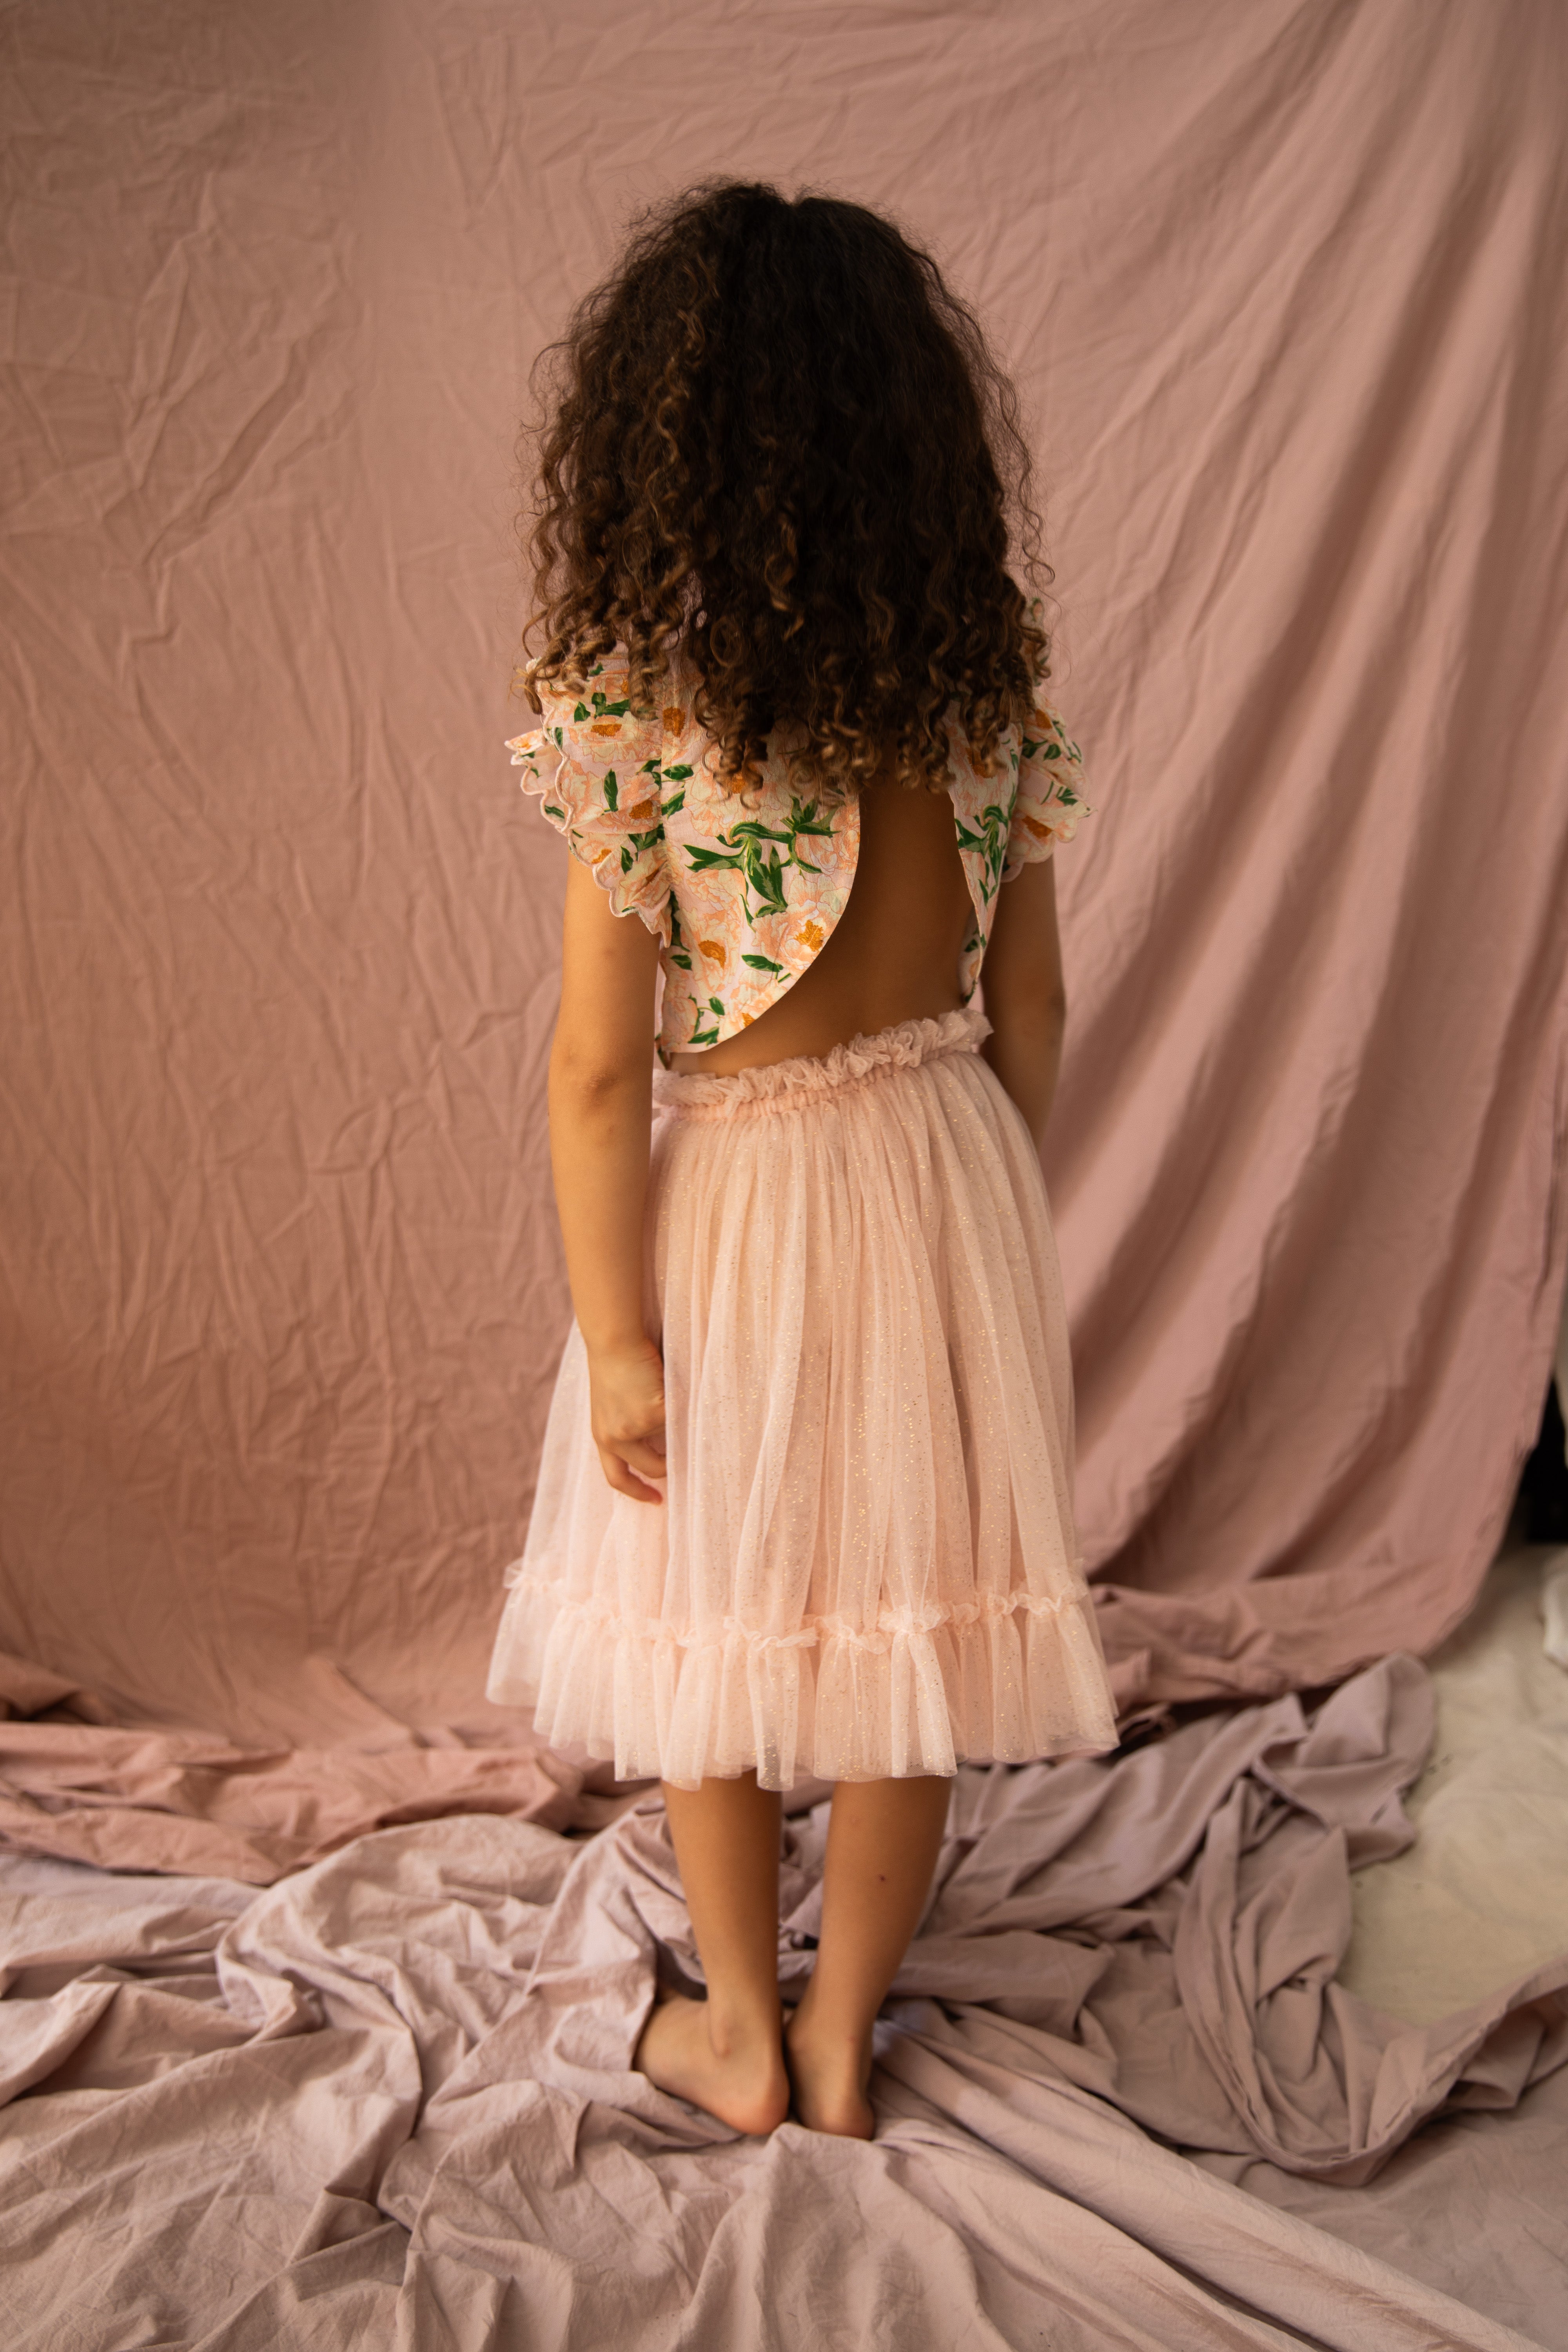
{"x":1049,"y":798}
{"x":596,"y":768}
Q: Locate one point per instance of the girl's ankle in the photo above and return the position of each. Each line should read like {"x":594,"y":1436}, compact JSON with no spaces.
{"x":825,"y":2033}
{"x":733,"y":2030}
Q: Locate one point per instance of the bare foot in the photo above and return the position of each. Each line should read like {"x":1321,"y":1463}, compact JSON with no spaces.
{"x":831,"y":2078}
{"x":745,"y":2085}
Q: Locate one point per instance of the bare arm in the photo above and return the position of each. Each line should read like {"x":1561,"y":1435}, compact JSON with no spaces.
{"x":601,"y":1090}
{"x":1026,"y":997}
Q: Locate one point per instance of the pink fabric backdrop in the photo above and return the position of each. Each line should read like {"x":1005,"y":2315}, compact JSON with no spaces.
{"x":282,"y":1285}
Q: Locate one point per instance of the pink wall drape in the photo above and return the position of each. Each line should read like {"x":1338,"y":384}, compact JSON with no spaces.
{"x":1282,"y":286}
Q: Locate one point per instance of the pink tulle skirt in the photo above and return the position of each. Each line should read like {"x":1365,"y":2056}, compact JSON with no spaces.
{"x":866,"y":1565}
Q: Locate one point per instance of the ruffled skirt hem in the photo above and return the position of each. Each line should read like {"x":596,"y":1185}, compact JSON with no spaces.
{"x":999,"y":1681}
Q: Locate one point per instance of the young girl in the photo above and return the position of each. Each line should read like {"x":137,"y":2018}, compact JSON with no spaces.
{"x":805,"y":1502}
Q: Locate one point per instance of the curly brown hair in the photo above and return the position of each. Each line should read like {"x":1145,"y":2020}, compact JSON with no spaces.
{"x":776,"y":449}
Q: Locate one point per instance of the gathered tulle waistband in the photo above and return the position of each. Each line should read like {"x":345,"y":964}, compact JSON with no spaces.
{"x":791,"y":1085}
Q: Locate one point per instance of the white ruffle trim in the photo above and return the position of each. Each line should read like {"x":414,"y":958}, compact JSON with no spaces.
{"x":1001,"y":1679}
{"x":702,"y":1094}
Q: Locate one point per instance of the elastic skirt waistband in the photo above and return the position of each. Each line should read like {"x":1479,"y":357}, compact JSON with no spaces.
{"x":791,"y":1085}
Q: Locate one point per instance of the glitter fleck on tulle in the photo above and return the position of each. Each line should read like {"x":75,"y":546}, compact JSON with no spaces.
{"x":866,"y":1565}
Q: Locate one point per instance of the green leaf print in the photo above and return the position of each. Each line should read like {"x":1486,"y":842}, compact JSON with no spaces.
{"x":764,"y":876}
{"x":990,"y":842}
{"x":764,"y":963}
{"x":804,"y":817}
{"x":668,"y":808}
{"x":752,"y":848}
{"x":677,"y":775}
{"x":751,"y":829}
{"x":598,"y":705}
{"x":704,"y":861}
{"x":612,"y":791}
{"x":634,"y":843}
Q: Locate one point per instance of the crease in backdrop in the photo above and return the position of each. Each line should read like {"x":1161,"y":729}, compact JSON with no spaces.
{"x":280,"y":1282}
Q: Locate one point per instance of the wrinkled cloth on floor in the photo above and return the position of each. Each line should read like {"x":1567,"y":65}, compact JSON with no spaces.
{"x":390,"y":2098}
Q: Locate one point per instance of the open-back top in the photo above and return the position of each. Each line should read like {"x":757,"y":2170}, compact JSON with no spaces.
{"x":743,"y":889}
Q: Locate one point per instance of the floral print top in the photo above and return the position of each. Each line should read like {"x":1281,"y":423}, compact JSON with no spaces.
{"x":743,"y":889}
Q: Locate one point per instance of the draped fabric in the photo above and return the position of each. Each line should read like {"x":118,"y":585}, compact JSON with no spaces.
{"x":1123,"y":2097}
{"x":280,"y":1280}
{"x":282,"y":1298}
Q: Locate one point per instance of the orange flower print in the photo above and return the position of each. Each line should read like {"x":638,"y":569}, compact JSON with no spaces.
{"x":1045,"y":719}
{"x":713,"y":951}
{"x":605,"y":727}
{"x":1032,"y":825}
{"x":643,"y":811}
{"x":810,"y":935}
{"x":674,"y":719}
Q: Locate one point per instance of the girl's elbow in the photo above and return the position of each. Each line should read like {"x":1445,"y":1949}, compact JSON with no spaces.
{"x":587,"y":1074}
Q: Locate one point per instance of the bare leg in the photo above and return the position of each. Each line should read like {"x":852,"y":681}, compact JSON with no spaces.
{"x":882,"y":1845}
{"x":726,"y":2053}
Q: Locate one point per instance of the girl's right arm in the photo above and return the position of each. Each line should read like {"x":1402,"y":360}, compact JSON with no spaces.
{"x":601,"y":1107}
{"x":1025,"y":996}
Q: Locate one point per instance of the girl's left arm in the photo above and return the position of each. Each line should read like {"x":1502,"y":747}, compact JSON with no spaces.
{"x":1025,"y":998}
{"x":601,"y":1090}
